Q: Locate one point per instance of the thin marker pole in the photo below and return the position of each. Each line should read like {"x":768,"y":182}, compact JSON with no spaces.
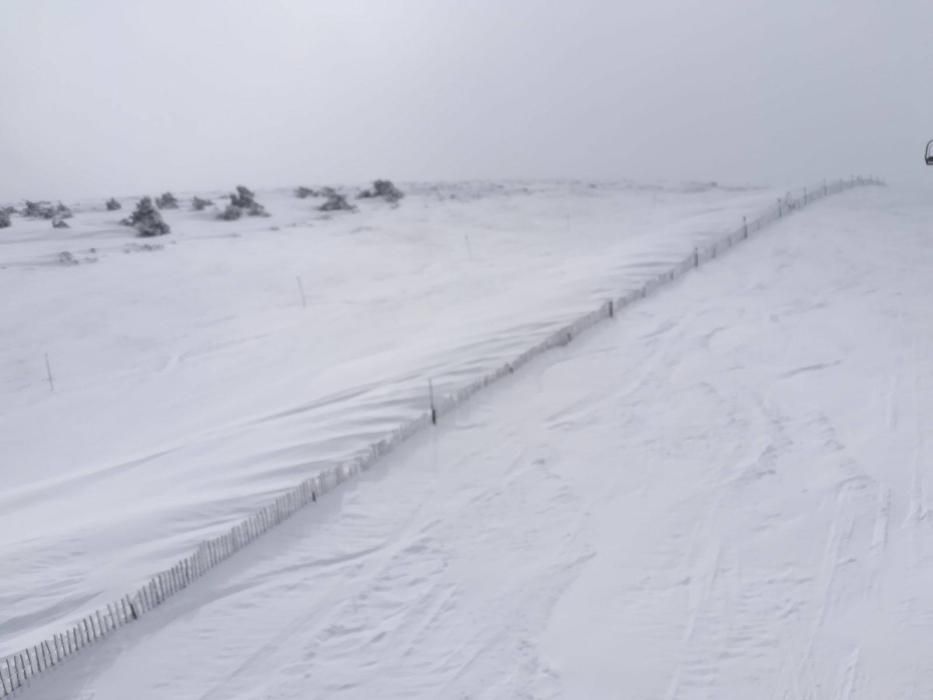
{"x":48,"y":370}
{"x":301,"y":290}
{"x":431,"y":397}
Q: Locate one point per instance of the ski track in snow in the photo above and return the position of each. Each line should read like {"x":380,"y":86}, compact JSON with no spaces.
{"x":667,"y":508}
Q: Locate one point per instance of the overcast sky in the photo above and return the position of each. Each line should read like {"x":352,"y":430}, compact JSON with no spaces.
{"x":103,"y":97}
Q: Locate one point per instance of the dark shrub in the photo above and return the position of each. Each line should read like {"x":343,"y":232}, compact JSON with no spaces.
{"x":305,"y":192}
{"x":113,"y":205}
{"x":167,"y":201}
{"x":5,"y":219}
{"x":147,"y":220}
{"x":39,"y":210}
{"x":46,"y":210}
{"x":383,"y":189}
{"x":231,"y":213}
{"x":199,"y":204}
{"x":243,"y":200}
{"x":336,"y":202}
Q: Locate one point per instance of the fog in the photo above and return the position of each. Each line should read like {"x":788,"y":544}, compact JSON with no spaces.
{"x":105,"y":97}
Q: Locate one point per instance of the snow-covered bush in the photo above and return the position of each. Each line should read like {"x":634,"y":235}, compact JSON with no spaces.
{"x":147,"y":220}
{"x":5,"y":219}
{"x":46,"y":210}
{"x":59,"y":222}
{"x":305,"y":192}
{"x":39,"y":210}
{"x":336,"y":202}
{"x":243,"y":200}
{"x":231,"y":213}
{"x":383,"y":189}
{"x":167,"y":201}
{"x":199,"y":204}
{"x":113,"y":205}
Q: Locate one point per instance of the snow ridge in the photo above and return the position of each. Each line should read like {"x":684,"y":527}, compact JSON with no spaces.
{"x":17,"y":669}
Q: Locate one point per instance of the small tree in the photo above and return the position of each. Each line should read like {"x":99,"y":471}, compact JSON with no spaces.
{"x":167,"y":201}
{"x":147,"y":220}
{"x":59,"y":222}
{"x":231,"y":213}
{"x":113,"y":205}
{"x":45,"y":210}
{"x":336,"y":202}
{"x":383,"y":189}
{"x":37,"y":210}
{"x":5,"y":219}
{"x":305,"y":192}
{"x":199,"y":204}
{"x":244,"y":200}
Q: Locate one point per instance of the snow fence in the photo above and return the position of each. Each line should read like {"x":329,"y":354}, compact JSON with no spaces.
{"x":17,"y":669}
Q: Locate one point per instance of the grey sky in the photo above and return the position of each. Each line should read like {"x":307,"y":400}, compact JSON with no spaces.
{"x":125,"y":96}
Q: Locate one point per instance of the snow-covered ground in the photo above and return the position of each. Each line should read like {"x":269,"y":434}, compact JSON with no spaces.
{"x":724,"y":494}
{"x":192,"y":384}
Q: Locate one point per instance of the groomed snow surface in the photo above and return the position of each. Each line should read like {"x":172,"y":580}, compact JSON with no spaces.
{"x":721,"y":494}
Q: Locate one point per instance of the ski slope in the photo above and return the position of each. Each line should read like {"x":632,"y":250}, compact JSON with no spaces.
{"x":723,"y":494}
{"x":192,"y":384}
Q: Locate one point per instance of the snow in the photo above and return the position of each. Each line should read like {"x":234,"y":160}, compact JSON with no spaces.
{"x":720,"y":494}
{"x":191,"y":384}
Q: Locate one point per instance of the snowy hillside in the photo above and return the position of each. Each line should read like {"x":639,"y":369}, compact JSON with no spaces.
{"x":192,"y":383}
{"x":722,"y":495}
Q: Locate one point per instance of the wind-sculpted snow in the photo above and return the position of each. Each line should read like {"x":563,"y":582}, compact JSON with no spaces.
{"x":377,"y":408}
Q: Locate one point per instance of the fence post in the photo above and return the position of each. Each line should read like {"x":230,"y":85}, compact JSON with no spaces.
{"x":431,"y":400}
{"x":6,"y":682}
